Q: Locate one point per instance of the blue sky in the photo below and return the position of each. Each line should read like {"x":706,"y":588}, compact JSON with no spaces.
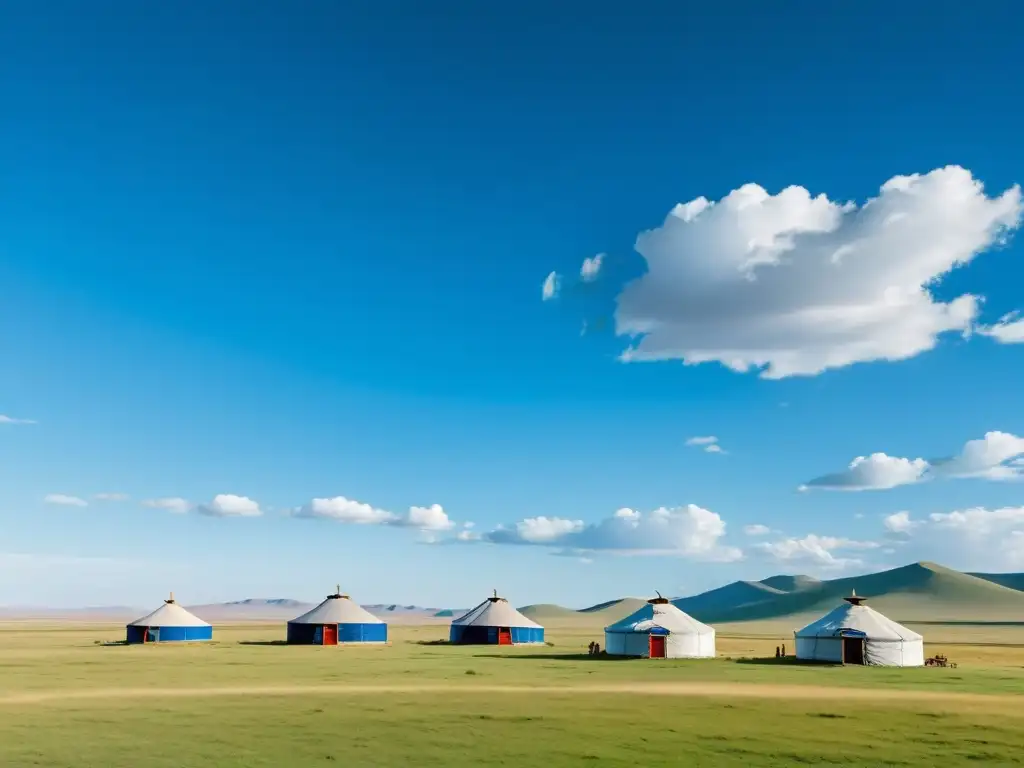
{"x":294,"y":254}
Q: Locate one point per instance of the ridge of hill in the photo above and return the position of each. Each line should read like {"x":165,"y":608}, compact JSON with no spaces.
{"x":609,"y":611}
{"x":622,"y":605}
{"x":786,"y":583}
{"x":736,"y":596}
{"x":1010,"y":580}
{"x":917,"y":592}
{"x":547,"y":611}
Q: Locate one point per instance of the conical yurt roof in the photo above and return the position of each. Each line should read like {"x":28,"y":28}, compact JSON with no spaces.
{"x":854,"y":617}
{"x":337,"y":609}
{"x":659,"y":612}
{"x":495,"y":612}
{"x":170,"y":614}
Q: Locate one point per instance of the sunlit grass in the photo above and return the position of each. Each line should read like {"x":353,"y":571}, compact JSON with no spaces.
{"x":472,"y":715}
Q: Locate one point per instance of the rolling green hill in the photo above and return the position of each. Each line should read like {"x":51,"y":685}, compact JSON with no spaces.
{"x":1011,"y":580}
{"x":917,"y":592}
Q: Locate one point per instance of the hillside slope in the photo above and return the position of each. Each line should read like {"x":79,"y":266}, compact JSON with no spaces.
{"x":1010,"y":580}
{"x":613,"y":610}
{"x":732,"y":597}
{"x":607,"y":612}
{"x":791,"y":583}
{"x":917,"y":592}
{"x":542,"y":612}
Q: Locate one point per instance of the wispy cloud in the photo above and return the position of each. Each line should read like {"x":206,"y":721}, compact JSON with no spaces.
{"x":709,"y":443}
{"x":65,"y":500}
{"x":11,"y":420}
{"x":170,"y":503}
{"x":111,"y":497}
{"x":816,"y":550}
{"x":549,"y":289}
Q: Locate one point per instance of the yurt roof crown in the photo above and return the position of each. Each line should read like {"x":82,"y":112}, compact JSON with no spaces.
{"x":337,"y":594}
{"x":853,"y":599}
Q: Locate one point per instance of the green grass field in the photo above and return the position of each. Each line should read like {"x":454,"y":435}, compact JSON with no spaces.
{"x":66,"y":699}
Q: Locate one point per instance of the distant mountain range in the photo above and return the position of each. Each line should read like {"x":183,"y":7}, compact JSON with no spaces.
{"x":917,"y":592}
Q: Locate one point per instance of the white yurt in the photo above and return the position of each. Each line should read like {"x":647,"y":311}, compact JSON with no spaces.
{"x":495,"y":622}
{"x":170,"y":623}
{"x":659,"y":630}
{"x":853,"y":633}
{"x":336,"y":621}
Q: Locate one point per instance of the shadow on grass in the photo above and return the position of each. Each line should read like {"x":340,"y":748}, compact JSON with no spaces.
{"x":552,"y":656}
{"x":783,"y":661}
{"x":263,"y":642}
{"x":433,"y":642}
{"x":110,"y":643}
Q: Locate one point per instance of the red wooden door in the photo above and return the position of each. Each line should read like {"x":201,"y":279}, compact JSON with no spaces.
{"x":657,"y":646}
{"x":504,"y":636}
{"x":330,"y":634}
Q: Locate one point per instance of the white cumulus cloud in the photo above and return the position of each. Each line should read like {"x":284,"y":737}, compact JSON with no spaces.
{"x":689,"y":531}
{"x":875,"y":472}
{"x":111,"y":497}
{"x":428,"y":519}
{"x":1009,"y":329}
{"x":170,"y":503}
{"x":550,"y":287}
{"x":230,"y":505}
{"x":976,"y":538}
{"x":756,"y":530}
{"x":65,"y":500}
{"x":591,"y":268}
{"x":345,"y":510}
{"x":432,"y":518}
{"x":992,"y":457}
{"x":537,"y":530}
{"x":989,"y":457}
{"x":900,"y":523}
{"x":794,"y":284}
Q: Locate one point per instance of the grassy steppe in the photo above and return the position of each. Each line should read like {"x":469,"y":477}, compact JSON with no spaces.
{"x":67,"y":701}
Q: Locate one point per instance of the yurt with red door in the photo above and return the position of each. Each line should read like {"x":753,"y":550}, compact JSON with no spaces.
{"x":495,"y":622}
{"x":854,"y":633}
{"x":659,"y":630}
{"x":338,"y":620}
{"x":170,"y":623}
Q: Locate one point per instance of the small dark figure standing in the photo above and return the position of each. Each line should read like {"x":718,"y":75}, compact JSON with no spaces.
{"x":776,"y":651}
{"x":783,"y":650}
{"x":590,"y":648}
{"x":597,"y":649}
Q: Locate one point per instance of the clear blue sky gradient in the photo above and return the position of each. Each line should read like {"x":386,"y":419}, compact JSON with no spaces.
{"x":292,"y":250}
